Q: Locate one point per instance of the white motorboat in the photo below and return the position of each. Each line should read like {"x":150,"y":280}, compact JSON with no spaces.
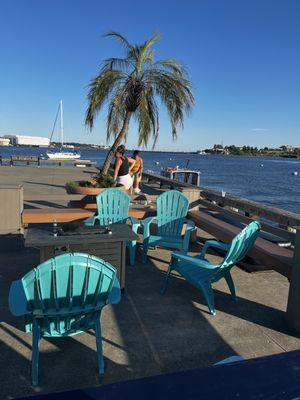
{"x":182,"y":174}
{"x":61,"y":154}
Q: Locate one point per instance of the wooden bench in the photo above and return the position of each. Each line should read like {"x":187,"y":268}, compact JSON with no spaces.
{"x":269,"y":254}
{"x":49,"y":215}
{"x":25,"y":159}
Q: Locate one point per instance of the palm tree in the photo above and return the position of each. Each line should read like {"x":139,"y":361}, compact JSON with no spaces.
{"x":131,"y":86}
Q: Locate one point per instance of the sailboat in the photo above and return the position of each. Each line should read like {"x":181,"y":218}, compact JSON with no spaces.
{"x":61,"y":154}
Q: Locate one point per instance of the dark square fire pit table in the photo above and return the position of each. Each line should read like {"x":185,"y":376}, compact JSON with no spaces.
{"x":95,"y":241}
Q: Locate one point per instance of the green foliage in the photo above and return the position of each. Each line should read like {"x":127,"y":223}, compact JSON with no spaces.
{"x":99,"y":181}
{"x":131,"y":86}
{"x":76,"y":184}
{"x":104,"y":181}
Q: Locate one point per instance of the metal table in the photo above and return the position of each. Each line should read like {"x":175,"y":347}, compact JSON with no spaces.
{"x":109,"y":247}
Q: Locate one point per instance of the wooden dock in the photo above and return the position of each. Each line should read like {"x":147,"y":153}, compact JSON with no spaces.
{"x":39,"y":161}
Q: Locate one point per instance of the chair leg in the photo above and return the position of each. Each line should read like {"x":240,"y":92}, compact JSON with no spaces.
{"x":230,"y":284}
{"x":209,"y":296}
{"x":35,"y":353}
{"x":132,"y":251}
{"x":166,"y":280}
{"x":145,"y":250}
{"x":99,"y":346}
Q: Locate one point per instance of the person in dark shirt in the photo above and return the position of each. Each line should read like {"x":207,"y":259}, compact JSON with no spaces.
{"x":122,"y":169}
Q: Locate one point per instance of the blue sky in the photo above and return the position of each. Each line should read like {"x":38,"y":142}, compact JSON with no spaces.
{"x":243,"y":58}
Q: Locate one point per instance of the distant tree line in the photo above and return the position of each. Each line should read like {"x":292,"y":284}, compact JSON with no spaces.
{"x":284,"y":151}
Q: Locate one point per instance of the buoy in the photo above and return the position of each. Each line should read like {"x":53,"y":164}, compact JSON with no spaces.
{"x":295,"y":173}
{"x":156,"y":162}
{"x":261,"y":165}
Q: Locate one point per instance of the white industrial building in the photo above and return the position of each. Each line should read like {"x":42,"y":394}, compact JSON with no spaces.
{"x":4,"y":141}
{"x":21,"y":140}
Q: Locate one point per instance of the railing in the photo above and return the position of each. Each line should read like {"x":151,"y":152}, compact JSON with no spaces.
{"x":26,"y":159}
{"x":274,"y":220}
{"x":12,"y":160}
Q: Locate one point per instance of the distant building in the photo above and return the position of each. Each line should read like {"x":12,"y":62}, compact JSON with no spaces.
{"x":219,"y":149}
{"x":4,"y":141}
{"x":288,"y":148}
{"x":21,"y":140}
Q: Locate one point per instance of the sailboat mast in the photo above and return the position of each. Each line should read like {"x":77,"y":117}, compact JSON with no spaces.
{"x":61,"y":124}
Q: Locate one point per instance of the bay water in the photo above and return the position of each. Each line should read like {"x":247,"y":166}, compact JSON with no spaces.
{"x":269,"y":180}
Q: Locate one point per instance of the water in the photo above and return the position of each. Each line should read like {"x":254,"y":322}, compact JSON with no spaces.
{"x":272,"y":184}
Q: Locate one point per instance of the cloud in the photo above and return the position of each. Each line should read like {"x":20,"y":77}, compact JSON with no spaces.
{"x":259,"y":129}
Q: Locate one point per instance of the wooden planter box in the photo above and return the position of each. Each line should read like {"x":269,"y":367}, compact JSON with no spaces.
{"x":85,"y":191}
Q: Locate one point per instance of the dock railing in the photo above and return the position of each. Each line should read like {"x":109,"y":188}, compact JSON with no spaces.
{"x":274,"y":220}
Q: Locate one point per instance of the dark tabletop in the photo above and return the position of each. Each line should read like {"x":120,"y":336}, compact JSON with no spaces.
{"x":42,"y":235}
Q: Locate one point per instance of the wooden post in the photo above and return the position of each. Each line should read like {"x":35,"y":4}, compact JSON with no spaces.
{"x":293,"y":307}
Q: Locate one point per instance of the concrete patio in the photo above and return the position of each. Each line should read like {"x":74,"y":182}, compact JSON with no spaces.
{"x":147,"y":333}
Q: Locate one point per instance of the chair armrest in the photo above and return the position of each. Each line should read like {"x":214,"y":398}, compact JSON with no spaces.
{"x":115,"y":294}
{"x":215,"y":244}
{"x":190,"y":225}
{"x":146,"y":225}
{"x":135,"y":223}
{"x":17,"y":299}
{"x":90,"y":221}
{"x":193,"y":260}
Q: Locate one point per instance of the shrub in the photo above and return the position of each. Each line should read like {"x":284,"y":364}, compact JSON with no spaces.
{"x":98,"y":181}
{"x":104,"y":181}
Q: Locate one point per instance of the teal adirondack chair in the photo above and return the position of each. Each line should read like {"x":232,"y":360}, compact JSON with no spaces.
{"x":113,"y":207}
{"x":201,"y":273}
{"x":172,"y":208}
{"x":64,"y":296}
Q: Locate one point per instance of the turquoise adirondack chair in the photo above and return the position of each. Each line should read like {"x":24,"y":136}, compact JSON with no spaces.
{"x":201,"y":273}
{"x":113,"y":207}
{"x":64,"y":296}
{"x":172,"y":208}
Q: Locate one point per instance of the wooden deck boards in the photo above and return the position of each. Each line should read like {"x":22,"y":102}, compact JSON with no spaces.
{"x":48,"y":215}
{"x":269,"y":254}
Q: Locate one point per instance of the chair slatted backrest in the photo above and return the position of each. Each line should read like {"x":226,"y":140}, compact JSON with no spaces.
{"x":241,"y":244}
{"x":68,"y":291}
{"x":172,"y":208}
{"x":113,"y":206}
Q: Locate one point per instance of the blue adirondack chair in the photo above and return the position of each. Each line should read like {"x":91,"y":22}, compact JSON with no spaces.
{"x":113,"y":207}
{"x":172,"y":208}
{"x":64,"y":296}
{"x":201,"y":273}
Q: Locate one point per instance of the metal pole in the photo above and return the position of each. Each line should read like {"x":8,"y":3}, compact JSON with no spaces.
{"x":61,"y":124}
{"x":293,"y":307}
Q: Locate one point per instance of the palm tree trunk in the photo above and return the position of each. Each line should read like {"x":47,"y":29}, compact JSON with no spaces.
{"x":117,"y":142}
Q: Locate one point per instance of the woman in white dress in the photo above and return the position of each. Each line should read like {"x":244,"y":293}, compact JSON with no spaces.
{"x":122,"y":169}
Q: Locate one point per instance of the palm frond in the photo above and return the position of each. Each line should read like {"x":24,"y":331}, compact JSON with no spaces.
{"x":147,"y":116}
{"x":115,"y":63}
{"x":120,"y":37}
{"x":172,"y":65}
{"x":100,"y":89}
{"x":117,"y":110}
{"x":145,"y":54}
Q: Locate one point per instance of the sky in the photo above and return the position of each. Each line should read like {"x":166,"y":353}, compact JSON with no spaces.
{"x":243,"y":58}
